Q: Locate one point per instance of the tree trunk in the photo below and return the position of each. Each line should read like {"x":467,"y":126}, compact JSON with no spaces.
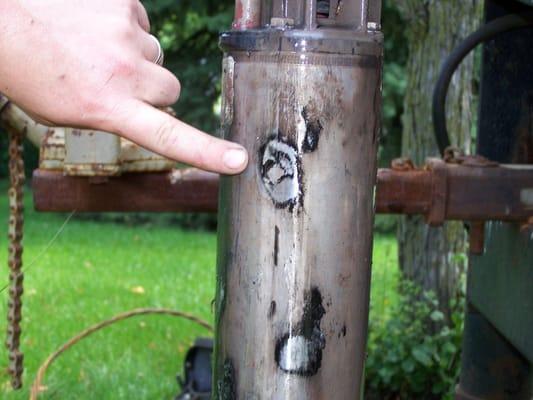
{"x":431,"y":256}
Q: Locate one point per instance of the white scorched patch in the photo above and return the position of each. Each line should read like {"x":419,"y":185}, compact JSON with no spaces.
{"x":295,"y":355}
{"x":279,"y":172}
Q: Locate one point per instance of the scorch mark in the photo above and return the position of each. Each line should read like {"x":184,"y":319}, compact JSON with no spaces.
{"x":299,"y":351}
{"x":281,"y":174}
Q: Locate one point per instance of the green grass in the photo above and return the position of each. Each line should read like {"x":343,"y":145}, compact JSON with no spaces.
{"x":97,"y":269}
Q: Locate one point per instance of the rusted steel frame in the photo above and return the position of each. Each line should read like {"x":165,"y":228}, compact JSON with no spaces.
{"x":247,"y":14}
{"x":403,"y":192}
{"x":501,"y":193}
{"x":188,"y":190}
{"x":477,"y":237}
{"x":465,"y":193}
{"x":444,"y":191}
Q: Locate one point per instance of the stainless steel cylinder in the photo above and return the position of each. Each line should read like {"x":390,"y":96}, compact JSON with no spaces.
{"x":295,"y":229}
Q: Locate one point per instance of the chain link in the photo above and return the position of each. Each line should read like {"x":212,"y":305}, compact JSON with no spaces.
{"x":16,"y":276}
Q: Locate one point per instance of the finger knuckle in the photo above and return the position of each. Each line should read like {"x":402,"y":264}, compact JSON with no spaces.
{"x":131,"y":7}
{"x":148,"y":26}
{"x":92,"y":111}
{"x":128,"y":32}
{"x":122,"y":67}
{"x":165,"y":135}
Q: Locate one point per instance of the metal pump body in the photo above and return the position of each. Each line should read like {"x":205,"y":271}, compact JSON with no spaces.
{"x":302,"y":93}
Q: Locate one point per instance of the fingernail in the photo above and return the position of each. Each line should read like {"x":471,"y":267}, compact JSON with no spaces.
{"x":235,"y":159}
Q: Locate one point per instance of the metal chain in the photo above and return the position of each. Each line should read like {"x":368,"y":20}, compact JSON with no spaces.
{"x":16,"y":276}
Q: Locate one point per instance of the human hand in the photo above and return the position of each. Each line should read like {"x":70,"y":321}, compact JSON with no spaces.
{"x":89,"y":64}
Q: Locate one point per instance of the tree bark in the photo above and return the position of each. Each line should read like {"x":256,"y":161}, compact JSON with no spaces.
{"x":432,"y":256}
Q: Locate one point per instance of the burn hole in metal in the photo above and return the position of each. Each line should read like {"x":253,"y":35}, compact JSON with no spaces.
{"x":280,"y":169}
{"x":226,"y":387}
{"x":313,"y":130}
{"x":343,"y":331}
{"x":299,"y":351}
{"x":272,"y":309}
{"x":276,"y":245}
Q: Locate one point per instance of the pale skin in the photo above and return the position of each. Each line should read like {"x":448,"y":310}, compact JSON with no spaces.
{"x":90,"y":64}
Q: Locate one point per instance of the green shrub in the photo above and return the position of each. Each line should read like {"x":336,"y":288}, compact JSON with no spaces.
{"x":31,"y":156}
{"x":385,"y":223}
{"x":414,"y":354}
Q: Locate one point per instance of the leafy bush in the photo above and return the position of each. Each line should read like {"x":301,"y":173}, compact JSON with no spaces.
{"x":405,"y":359}
{"x":385,"y":223}
{"x":31,"y":156}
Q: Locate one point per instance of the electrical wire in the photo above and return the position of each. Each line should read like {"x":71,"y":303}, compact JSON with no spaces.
{"x":487,"y":32}
{"x":36,"y":388}
{"x":45,"y":249}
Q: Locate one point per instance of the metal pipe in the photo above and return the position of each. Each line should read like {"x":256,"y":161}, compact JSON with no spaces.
{"x":247,"y":14}
{"x":310,"y":14}
{"x":295,"y":229}
{"x":364,"y":14}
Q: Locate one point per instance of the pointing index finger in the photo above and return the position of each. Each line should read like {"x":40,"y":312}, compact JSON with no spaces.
{"x":172,"y":138}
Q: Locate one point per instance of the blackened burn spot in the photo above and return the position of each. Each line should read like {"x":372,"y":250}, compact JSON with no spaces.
{"x":312,"y":131}
{"x":272,"y":309}
{"x":276,"y":245}
{"x":299,"y":351}
{"x":226,"y":384}
{"x":281,"y":172}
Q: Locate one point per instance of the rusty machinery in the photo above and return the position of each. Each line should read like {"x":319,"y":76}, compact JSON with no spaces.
{"x":301,"y":91}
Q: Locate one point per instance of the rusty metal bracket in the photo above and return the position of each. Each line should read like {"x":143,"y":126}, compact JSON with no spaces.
{"x":458,"y":187}
{"x":469,"y":189}
{"x":182,"y":190}
{"x":439,"y":191}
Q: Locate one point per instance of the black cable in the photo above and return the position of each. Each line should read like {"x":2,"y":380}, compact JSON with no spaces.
{"x":487,"y":32}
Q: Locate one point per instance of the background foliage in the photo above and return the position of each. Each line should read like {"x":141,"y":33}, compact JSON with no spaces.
{"x":407,"y":361}
{"x":95,"y":269}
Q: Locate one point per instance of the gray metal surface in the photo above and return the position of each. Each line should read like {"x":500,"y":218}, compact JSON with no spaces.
{"x":491,"y":368}
{"x":501,"y":283}
{"x":295,"y":229}
{"x":90,"y":153}
{"x":498,"y":338}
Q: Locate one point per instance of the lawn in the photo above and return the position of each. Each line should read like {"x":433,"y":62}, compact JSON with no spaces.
{"x":97,"y":269}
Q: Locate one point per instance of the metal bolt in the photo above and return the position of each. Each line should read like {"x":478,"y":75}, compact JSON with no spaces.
{"x":373,"y":26}
{"x":281,"y":22}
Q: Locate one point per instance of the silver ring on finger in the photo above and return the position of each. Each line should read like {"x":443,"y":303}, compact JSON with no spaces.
{"x":160,"y":54}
